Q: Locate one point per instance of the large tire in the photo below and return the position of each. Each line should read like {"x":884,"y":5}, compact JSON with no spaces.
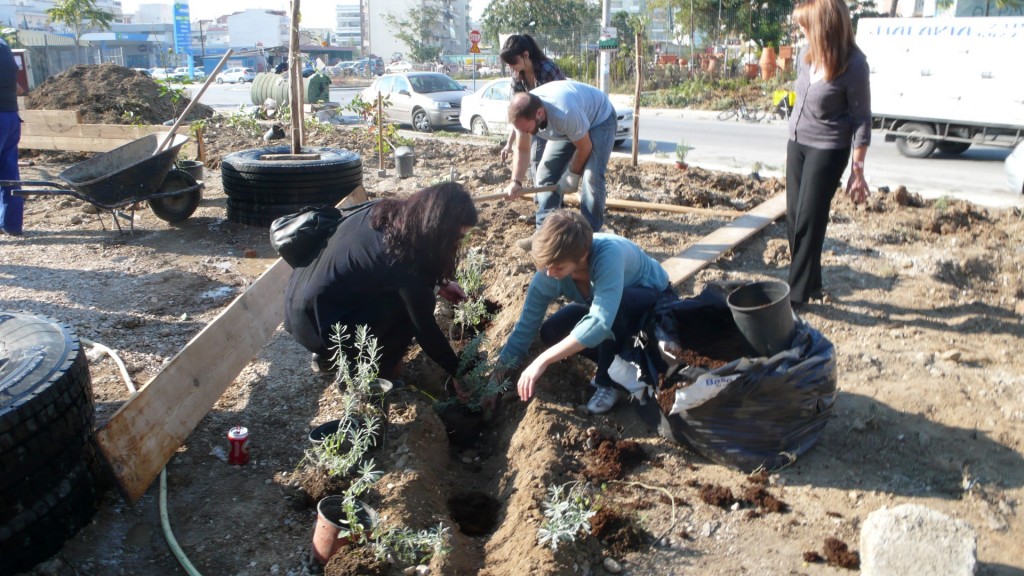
{"x":260,"y":191}
{"x":913,"y":144}
{"x":47,"y":460}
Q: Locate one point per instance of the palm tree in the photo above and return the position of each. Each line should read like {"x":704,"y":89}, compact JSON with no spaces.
{"x":79,"y":16}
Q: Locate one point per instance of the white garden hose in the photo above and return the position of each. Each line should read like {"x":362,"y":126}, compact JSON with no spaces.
{"x":165,"y":522}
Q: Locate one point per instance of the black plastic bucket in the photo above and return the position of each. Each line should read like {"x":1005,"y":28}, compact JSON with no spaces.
{"x":404,"y":159}
{"x":764,"y":315}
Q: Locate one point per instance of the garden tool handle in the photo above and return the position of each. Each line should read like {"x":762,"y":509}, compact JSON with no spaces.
{"x":192,"y":103}
{"x":500,"y":195}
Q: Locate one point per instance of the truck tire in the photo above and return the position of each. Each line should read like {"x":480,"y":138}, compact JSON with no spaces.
{"x":48,"y":471}
{"x":953,"y":147}
{"x":914,"y":144}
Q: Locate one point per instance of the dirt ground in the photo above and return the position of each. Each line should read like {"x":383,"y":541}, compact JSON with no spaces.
{"x":924,"y":309}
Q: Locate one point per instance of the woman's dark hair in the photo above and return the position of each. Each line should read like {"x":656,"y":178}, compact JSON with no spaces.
{"x":424,"y":230}
{"x":516,"y":44}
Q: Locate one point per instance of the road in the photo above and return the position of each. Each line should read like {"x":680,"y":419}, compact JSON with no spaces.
{"x":976,"y":175}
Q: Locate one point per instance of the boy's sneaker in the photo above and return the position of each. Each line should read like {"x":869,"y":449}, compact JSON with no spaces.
{"x":605,"y":399}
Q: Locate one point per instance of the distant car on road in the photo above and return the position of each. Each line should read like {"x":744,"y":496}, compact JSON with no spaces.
{"x":486,"y":112}
{"x":400,"y":66}
{"x":161,"y":73}
{"x":1014,"y":166}
{"x":236,"y":75}
{"x":143,"y":71}
{"x":427,"y":100}
{"x":182,"y":73}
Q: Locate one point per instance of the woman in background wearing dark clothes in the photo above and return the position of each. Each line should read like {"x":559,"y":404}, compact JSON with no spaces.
{"x":380,"y":268}
{"x":831,"y":116}
{"x":11,"y":206}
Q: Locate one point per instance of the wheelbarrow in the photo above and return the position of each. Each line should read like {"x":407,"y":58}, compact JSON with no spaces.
{"x":125,"y":177}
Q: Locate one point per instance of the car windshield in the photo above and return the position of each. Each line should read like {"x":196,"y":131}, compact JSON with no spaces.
{"x":428,"y":83}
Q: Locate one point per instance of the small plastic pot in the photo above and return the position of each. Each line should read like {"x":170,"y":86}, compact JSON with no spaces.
{"x":331,"y":522}
{"x":317,"y":435}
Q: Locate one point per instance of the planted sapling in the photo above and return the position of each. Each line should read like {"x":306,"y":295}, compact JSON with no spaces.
{"x":473,"y":310}
{"x":566,"y":511}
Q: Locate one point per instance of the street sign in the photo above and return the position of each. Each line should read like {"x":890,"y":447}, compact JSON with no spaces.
{"x":475,"y":36}
{"x":609,"y":39}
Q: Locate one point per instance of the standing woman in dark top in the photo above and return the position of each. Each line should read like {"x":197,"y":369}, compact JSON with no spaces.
{"x":832,"y":116}
{"x":380,"y":269}
{"x":11,"y":206}
{"x":530,"y":68}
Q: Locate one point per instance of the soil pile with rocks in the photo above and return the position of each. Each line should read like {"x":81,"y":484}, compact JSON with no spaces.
{"x":112,"y":94}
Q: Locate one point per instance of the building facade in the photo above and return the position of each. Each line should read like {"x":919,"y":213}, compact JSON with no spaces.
{"x":348,"y":25}
{"x":449,"y":33}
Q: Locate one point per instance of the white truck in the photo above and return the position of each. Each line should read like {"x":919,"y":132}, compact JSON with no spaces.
{"x":945,"y":83}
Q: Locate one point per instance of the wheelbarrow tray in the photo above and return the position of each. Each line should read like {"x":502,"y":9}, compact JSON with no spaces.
{"x":125,"y":175}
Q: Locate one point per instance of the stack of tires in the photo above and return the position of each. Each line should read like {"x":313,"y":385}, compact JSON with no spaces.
{"x":48,"y":464}
{"x":259,"y":191}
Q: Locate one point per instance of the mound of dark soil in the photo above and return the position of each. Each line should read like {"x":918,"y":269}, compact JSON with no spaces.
{"x":112,"y":94}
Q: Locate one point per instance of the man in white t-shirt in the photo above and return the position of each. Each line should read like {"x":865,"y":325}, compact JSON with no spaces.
{"x":578,"y":121}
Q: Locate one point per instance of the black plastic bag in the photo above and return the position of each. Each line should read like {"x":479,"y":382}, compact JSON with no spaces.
{"x":757,"y":412}
{"x":300,"y":237}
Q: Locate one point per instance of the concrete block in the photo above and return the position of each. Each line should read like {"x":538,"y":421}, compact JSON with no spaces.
{"x":914,"y":539}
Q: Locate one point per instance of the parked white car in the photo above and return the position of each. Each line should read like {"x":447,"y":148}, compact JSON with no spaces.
{"x":236,"y":75}
{"x":1014,"y":166}
{"x":182,"y":72}
{"x":400,"y":66}
{"x":486,"y":112}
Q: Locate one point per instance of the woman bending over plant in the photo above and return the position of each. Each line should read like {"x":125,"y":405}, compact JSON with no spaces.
{"x":379,"y":269}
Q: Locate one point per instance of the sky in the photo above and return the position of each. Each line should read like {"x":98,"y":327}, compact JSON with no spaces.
{"x":313,"y":11}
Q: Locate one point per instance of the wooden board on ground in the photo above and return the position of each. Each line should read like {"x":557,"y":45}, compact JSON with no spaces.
{"x":62,"y":130}
{"x":634,"y":205}
{"x":140,"y":438}
{"x":698,"y":255}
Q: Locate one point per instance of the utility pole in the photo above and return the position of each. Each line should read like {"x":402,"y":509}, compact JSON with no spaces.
{"x":606,"y":56}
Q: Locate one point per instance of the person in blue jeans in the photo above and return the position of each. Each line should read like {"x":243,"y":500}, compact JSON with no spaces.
{"x":578,"y":121}
{"x":11,"y":207}
{"x":611,"y":284}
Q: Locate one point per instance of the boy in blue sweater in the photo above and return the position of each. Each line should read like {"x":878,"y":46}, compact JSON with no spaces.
{"x":611,"y":284}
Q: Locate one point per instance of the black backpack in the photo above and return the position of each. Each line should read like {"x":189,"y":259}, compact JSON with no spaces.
{"x":300,"y":237}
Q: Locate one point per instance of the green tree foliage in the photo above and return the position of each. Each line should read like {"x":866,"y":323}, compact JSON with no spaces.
{"x":764,"y":21}
{"x":558,"y":26}
{"x":79,"y":16}
{"x":415,"y":31}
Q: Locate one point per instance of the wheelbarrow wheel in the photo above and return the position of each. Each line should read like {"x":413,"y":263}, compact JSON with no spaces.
{"x":175,"y":208}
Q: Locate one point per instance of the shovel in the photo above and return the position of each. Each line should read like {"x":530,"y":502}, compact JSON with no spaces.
{"x":525,"y":191}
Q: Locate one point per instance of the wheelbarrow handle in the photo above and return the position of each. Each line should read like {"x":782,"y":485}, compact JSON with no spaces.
{"x":500,"y":195}
{"x":17,"y":187}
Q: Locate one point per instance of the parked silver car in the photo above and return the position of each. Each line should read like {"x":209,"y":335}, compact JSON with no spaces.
{"x":486,"y":112}
{"x":427,"y":100}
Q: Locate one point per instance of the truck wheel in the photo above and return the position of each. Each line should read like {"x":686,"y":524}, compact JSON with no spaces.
{"x":915,"y":144}
{"x":48,"y":466}
{"x":953,"y":147}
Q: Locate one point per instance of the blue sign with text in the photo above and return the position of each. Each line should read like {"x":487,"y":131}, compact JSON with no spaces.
{"x":182,"y":30}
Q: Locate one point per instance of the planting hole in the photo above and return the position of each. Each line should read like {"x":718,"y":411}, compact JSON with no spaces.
{"x":475,"y":512}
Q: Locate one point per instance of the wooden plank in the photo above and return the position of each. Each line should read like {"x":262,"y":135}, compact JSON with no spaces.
{"x":689,"y":261}
{"x":69,"y":117}
{"x":90,"y":137}
{"x":140,"y":438}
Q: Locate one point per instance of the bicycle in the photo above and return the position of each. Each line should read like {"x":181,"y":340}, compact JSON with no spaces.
{"x":744,"y":112}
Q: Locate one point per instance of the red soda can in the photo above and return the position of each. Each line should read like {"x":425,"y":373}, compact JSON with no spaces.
{"x":239,"y":439}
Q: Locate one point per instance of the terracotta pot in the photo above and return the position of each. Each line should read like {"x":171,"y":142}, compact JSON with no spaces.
{"x":750,"y":70}
{"x":785,"y":52}
{"x":768,"y":63}
{"x":331,"y":521}
{"x":682,"y":166}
